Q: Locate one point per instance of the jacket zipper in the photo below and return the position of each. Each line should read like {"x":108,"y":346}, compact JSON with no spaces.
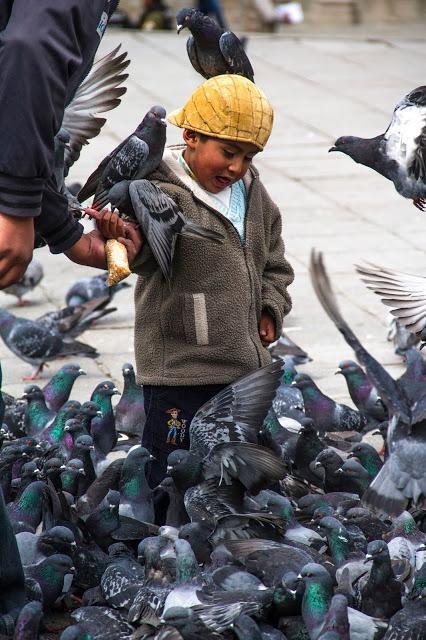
{"x":243,"y":246}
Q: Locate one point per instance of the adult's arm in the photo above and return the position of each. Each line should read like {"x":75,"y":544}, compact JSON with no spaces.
{"x":46,"y":48}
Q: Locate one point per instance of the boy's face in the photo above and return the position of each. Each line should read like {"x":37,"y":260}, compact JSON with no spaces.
{"x":217,"y":163}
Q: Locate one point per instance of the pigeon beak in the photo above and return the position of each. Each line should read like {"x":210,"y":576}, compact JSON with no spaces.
{"x":92,"y":447}
{"x":169,"y":468}
{"x":115,"y":391}
{"x":339,"y":470}
{"x":351,"y":455}
{"x":151,"y":457}
{"x":38,"y":447}
{"x":300,"y":577}
{"x":423,"y":344}
{"x":317,"y":464}
{"x":367,"y":558}
{"x":179,"y":28}
{"x":333,"y":149}
{"x":71,"y":570}
{"x":99,"y":414}
{"x":62,"y":467}
{"x":82,"y":472}
{"x":338,"y":371}
{"x":81,"y":372}
{"x":74,"y":545}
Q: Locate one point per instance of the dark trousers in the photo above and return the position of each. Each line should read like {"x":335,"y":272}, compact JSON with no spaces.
{"x":169,"y":411}
{"x":213,"y":8}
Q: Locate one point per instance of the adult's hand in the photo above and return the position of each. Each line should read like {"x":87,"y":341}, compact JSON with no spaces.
{"x":16,"y":247}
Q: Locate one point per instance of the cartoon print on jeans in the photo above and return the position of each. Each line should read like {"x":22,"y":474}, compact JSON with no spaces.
{"x":174,"y":425}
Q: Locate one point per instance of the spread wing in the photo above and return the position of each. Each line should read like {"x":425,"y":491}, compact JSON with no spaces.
{"x":100,"y":91}
{"x":405,"y":138}
{"x":235,"y":56}
{"x":404,"y":292}
{"x":237,"y":412}
{"x":160,"y":220}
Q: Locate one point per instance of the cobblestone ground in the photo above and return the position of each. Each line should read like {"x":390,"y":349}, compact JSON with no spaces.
{"x":322,"y":85}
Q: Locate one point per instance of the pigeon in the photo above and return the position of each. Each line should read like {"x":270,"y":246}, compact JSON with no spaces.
{"x":316,"y":603}
{"x":327,"y":414}
{"x":403,"y":476}
{"x":161,"y":221}
{"x":34,"y":548}
{"x":50,"y":574}
{"x":135,"y":494}
{"x":400,"y":336}
{"x":399,"y":153}
{"x":103,"y":427}
{"x":27,"y":510}
{"x":129,"y":411}
{"x":32,"y":343}
{"x":368,"y":457}
{"x":57,"y":390}
{"x":37,"y":414}
{"x":31,"y":278}
{"x":73,"y":320}
{"x":364,"y":395}
{"x":134,"y":158}
{"x":381,"y":594}
{"x":405,"y":293}
{"x":89,"y":288}
{"x":212,"y":50}
{"x":27,"y":624}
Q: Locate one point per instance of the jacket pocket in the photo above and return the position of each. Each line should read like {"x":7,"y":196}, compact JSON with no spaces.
{"x":196,"y":320}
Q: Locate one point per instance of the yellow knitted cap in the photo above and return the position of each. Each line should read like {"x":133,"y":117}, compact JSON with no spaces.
{"x":230,"y":107}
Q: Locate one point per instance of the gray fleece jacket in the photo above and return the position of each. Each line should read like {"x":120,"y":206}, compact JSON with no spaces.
{"x":204,"y":330}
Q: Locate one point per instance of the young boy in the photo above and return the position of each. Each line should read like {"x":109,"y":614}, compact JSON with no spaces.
{"x":227,"y":301}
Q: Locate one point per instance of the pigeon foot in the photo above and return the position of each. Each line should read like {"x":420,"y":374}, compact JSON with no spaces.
{"x":420,"y":203}
{"x":34,"y":374}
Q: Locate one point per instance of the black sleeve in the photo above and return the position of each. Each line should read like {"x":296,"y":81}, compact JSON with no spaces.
{"x":46,"y":48}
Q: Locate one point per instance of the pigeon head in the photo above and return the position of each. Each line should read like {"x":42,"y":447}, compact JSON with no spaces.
{"x":377,"y":550}
{"x":73,"y":424}
{"x":32,"y":391}
{"x":127,"y":370}
{"x":155,"y":118}
{"x":90,"y":409}
{"x":188,"y":19}
{"x":59,"y":540}
{"x":345,"y":144}
{"x":175,"y":459}
{"x":315,"y":572}
{"x":84,"y":443}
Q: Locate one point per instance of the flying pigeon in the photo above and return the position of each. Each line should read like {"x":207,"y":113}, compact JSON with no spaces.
{"x":212,"y":50}
{"x":399,"y":154}
{"x":405,"y":293}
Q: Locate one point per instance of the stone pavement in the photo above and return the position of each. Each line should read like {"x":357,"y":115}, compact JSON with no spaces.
{"x":323,"y":84}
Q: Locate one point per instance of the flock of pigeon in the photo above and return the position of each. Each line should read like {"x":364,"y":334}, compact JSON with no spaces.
{"x":290,"y":517}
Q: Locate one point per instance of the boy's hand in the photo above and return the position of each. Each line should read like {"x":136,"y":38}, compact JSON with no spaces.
{"x":111,"y":226}
{"x":89,"y":250}
{"x":266,"y":328}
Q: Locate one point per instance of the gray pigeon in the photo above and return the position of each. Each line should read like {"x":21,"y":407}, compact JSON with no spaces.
{"x":399,"y":154}
{"x":136,"y":157}
{"x":212,"y":50}
{"x":33,"y":343}
{"x":31,"y":278}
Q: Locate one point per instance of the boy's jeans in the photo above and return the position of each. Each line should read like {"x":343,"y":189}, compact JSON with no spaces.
{"x":169,"y":411}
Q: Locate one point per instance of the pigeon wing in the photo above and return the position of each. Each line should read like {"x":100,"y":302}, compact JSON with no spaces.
{"x":235,"y":56}
{"x":122,"y":166}
{"x":237,"y":412}
{"x":193,"y":57}
{"x":256,"y":467}
{"x":32,"y":342}
{"x":392,"y":396}
{"x":404,"y":139}
{"x":160,"y":220}
{"x":404,"y":292}
{"x":100,"y":91}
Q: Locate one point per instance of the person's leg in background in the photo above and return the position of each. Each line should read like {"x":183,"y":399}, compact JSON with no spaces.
{"x":213,"y":8}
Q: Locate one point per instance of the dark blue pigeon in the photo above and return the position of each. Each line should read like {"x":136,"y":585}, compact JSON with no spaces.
{"x":102,"y":427}
{"x":212,"y":50}
{"x":129,"y":411}
{"x":90,"y":288}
